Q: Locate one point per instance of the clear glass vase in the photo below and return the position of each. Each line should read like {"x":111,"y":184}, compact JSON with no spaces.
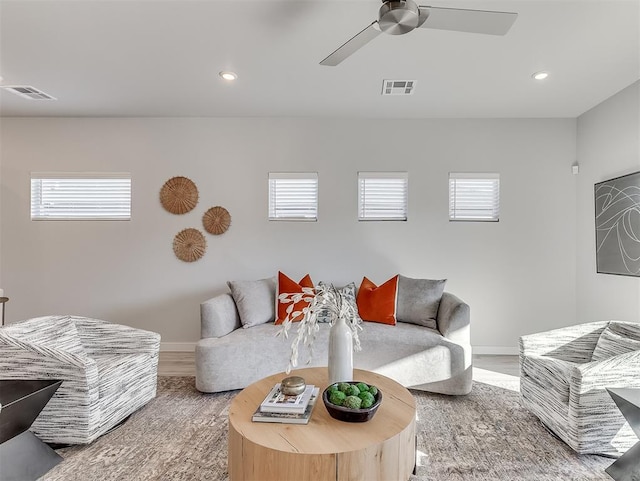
{"x":340,"y":352}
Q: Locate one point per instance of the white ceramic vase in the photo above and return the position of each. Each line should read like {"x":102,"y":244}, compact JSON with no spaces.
{"x":340,"y":352}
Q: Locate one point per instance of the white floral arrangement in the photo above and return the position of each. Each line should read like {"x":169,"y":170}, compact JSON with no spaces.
{"x":323,"y":299}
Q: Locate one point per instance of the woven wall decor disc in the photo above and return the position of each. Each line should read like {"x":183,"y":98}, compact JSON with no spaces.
{"x":179,"y":195}
{"x":189,"y":245}
{"x":216,"y":220}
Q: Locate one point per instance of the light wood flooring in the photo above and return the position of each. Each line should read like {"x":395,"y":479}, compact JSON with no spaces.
{"x":485,"y":366}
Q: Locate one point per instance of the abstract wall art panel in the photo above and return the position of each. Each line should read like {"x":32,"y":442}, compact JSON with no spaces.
{"x":618,"y":225}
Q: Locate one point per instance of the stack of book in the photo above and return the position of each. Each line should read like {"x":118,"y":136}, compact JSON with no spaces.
{"x":281,"y":408}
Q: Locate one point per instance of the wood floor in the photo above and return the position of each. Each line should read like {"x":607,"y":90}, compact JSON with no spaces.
{"x":485,"y":366}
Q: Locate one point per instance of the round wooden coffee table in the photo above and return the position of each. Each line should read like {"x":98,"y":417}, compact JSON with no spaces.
{"x":326,"y":449}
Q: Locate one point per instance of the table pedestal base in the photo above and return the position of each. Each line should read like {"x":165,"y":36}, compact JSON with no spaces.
{"x":25,"y":457}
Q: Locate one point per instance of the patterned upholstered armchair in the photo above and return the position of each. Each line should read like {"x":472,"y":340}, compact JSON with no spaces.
{"x":108,"y":372}
{"x":563,"y":376}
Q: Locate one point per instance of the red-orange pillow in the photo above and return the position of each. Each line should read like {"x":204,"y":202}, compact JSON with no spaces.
{"x":289,"y":286}
{"x":378,"y":303}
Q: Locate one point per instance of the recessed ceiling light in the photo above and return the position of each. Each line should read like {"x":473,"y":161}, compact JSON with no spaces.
{"x":228,"y":75}
{"x":540,"y":75}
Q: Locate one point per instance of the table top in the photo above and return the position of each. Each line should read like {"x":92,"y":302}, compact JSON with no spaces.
{"x":630,"y":395}
{"x":13,"y":390}
{"x":323,"y":434}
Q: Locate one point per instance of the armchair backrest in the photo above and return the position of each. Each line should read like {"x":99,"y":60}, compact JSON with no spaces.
{"x":58,"y":332}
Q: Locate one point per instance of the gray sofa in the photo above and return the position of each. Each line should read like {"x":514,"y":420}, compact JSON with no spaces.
{"x":437,"y":360}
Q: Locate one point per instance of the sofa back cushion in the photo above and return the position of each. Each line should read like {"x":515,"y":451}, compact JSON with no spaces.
{"x":254,"y":300}
{"x":56,"y":332}
{"x":418,"y":300}
{"x":616,"y":339}
{"x":378,"y":303}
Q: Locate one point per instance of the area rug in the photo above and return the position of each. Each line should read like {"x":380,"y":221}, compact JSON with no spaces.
{"x":182,"y":435}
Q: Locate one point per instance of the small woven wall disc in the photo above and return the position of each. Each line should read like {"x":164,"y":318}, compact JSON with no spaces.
{"x":216,"y":220}
{"x":179,"y":195}
{"x":189,"y":245}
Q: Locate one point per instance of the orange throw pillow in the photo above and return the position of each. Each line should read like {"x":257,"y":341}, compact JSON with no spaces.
{"x":378,"y":304}
{"x":289,"y":286}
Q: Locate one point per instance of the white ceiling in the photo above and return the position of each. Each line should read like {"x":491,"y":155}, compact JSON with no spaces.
{"x":162,"y":58}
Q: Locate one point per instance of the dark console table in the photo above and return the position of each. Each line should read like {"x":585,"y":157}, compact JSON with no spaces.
{"x":627,"y":467}
{"x":22,"y":455}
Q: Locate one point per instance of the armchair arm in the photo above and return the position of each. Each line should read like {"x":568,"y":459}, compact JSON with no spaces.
{"x":617,"y":371}
{"x":218,"y":316}
{"x":454,"y":318}
{"x":102,"y":337}
{"x":41,"y":352}
{"x":573,"y":343}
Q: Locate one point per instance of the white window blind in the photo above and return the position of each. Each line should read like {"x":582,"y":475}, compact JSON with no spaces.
{"x":474,"y":197}
{"x":293,"y":196}
{"x":382,"y":195}
{"x":80,"y":196}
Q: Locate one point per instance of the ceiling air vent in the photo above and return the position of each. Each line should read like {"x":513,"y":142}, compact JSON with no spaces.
{"x":398,"y":87}
{"x":28,"y":92}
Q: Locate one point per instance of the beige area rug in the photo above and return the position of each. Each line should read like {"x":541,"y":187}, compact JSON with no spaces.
{"x":182,"y":435}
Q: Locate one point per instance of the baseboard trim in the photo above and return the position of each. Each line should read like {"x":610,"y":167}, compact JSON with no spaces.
{"x":177,"y":346}
{"x":496,"y":350}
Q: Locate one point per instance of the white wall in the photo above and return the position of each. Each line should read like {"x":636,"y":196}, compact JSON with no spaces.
{"x":518,"y":275}
{"x":608,"y":146}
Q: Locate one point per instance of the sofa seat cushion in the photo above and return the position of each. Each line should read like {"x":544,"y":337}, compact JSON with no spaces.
{"x":117,"y":373}
{"x":550,"y":373}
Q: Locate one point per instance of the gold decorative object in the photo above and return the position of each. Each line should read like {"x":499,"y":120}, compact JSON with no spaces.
{"x":216,"y":220}
{"x":189,"y":245}
{"x":179,"y":195}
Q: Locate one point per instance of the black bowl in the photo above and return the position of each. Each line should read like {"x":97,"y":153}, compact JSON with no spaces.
{"x":348,"y":415}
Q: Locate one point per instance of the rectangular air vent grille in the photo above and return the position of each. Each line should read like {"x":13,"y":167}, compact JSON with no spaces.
{"x":28,"y":92}
{"x":398,"y":87}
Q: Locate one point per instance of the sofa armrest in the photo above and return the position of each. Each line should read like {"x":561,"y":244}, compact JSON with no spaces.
{"x":573,"y":343}
{"x":102,"y":337}
{"x":454,"y":319}
{"x":218,"y":316}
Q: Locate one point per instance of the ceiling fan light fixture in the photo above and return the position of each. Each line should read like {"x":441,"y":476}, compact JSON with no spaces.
{"x":230,"y":76}
{"x":540,"y":75}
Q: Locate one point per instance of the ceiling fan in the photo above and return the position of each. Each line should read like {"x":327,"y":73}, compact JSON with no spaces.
{"x":397,"y":17}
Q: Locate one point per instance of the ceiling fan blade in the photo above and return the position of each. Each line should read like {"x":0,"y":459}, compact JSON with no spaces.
{"x":355,"y":43}
{"x":463,"y":20}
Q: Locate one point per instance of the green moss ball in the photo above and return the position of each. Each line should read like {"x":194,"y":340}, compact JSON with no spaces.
{"x":337,"y":397}
{"x":362,"y":386}
{"x":367,"y":399}
{"x":352,"y":390}
{"x":333,"y":387}
{"x":343,"y":386}
{"x":352,"y":402}
{"x":373,"y":390}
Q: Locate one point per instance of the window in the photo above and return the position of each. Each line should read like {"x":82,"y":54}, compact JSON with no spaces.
{"x":382,"y":195}
{"x":293,"y":196}
{"x":80,"y":196}
{"x":474,"y":197}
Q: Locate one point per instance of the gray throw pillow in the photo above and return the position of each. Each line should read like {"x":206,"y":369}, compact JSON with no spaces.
{"x":611,"y":344}
{"x":254,"y":300}
{"x":418,"y":300}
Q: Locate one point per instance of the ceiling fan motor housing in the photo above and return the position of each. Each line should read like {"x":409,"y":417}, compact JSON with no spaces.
{"x":398,"y":17}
